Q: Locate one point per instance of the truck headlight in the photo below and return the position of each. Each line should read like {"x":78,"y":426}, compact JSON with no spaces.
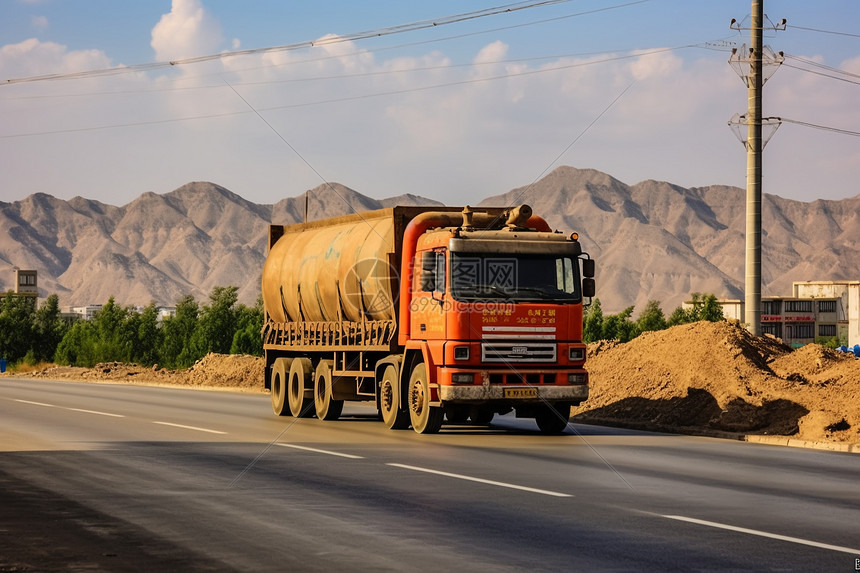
{"x":576,"y":353}
{"x":461,"y":353}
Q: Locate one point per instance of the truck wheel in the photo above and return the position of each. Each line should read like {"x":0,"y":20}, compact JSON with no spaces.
{"x":326,"y":407}
{"x":300,"y":372}
{"x":552,"y":418}
{"x":426,"y":419}
{"x":278,"y":384}
{"x":394,"y":417}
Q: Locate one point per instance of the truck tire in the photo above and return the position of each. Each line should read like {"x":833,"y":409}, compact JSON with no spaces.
{"x":426,"y":419}
{"x":326,"y":407}
{"x":278,"y":384}
{"x":390,"y":409}
{"x":552,"y":418}
{"x":300,"y":375}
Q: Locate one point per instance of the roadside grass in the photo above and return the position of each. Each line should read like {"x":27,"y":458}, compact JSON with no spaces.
{"x":23,"y":367}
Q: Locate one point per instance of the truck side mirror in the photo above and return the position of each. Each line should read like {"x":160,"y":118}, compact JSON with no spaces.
{"x":588,"y":268}
{"x":588,"y":287}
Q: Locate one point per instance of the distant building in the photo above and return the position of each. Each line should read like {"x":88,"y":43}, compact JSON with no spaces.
{"x":815,"y":310}
{"x":82,"y":312}
{"x":166,"y":312}
{"x":163,"y":311}
{"x":26,"y":284}
{"x":89,"y":311}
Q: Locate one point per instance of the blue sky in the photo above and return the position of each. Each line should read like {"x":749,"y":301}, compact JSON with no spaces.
{"x":456,"y":112}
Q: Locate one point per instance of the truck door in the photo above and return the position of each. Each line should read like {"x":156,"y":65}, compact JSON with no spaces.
{"x":428,"y":300}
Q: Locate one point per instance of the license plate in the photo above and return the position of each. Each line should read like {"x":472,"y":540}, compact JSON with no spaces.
{"x":521,"y":393}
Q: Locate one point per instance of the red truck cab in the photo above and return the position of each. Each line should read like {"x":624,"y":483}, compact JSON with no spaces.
{"x":498,"y":318}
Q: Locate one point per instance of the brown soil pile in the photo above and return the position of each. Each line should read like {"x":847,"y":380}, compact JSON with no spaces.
{"x":717,"y":377}
{"x":695,"y":378}
{"x":229,"y":371}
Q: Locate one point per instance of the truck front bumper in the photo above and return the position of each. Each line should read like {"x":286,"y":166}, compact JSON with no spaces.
{"x":491,"y":392}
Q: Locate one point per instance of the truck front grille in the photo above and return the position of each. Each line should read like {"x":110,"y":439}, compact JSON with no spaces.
{"x":521,"y":351}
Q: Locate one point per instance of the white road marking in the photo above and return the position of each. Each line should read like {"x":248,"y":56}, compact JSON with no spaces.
{"x":96,"y":412}
{"x":350,"y":456}
{"x":765,"y":534}
{"x":195,"y":428}
{"x":71,"y":409}
{"x":484,"y":481}
{"x":36,"y":403}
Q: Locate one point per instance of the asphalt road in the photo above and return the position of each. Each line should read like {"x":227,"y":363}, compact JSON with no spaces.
{"x":128,"y":478}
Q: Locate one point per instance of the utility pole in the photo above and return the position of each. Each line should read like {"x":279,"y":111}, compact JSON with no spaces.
{"x":751,"y":70}
{"x":752,"y":283}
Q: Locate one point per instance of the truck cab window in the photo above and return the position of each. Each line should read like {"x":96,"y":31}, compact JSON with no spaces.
{"x":431,"y":276}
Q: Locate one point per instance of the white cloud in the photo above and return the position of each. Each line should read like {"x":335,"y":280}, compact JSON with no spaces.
{"x":40,"y":23}
{"x":188,"y":30}
{"x":33,"y":58}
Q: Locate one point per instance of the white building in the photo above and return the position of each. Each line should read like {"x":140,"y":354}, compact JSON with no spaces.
{"x":815,"y":310}
{"x":82,"y":312}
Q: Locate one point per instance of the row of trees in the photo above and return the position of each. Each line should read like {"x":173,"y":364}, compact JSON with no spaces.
{"x":623,"y":328}
{"x":124,"y":334}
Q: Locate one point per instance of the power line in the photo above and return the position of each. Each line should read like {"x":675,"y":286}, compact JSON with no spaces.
{"x":367,"y":74}
{"x":379,"y":32}
{"x":822,"y":127}
{"x":823,"y":31}
{"x":345,"y":38}
{"x":824,"y":67}
{"x":822,"y":74}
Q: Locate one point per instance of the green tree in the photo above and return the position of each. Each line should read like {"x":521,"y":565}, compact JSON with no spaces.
{"x":249,"y":323}
{"x":16,"y":326}
{"x":702,"y":307}
{"x":708,"y":308}
{"x":679,"y":316}
{"x":175,"y":350}
{"x":113,"y":326}
{"x":78,"y":346}
{"x":620,"y":327}
{"x":833,"y":342}
{"x":217,"y":322}
{"x":149,"y":336}
{"x":592,"y":328}
{"x":651,"y":317}
{"x":48,"y":329}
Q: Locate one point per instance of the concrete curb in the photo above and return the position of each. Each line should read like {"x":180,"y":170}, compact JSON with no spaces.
{"x":795,"y":443}
{"x":787,"y":441}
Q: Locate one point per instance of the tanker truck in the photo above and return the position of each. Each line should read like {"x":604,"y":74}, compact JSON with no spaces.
{"x":434,"y":313}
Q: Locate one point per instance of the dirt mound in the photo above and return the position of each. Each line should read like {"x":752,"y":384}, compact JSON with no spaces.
{"x":717,"y":376}
{"x":229,"y":371}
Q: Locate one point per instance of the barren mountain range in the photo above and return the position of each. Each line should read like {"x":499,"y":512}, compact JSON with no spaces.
{"x":652,"y":240}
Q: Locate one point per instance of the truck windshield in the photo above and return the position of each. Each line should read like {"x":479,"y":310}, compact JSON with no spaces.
{"x":518,"y":278}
